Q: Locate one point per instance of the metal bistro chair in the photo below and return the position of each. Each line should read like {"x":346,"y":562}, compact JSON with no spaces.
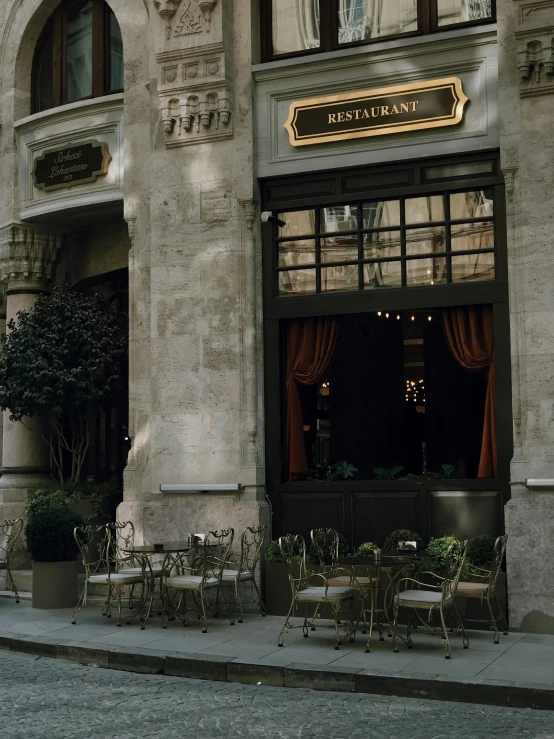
{"x":204,"y":574}
{"x":122,"y":535}
{"x":9,"y":533}
{"x":325,"y":544}
{"x":251,"y":543}
{"x":101,"y":568}
{"x":485,"y":589}
{"x":431,"y":598}
{"x":303,"y":590}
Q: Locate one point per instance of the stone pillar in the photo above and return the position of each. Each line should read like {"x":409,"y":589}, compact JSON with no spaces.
{"x":27,"y":255}
{"x":526,"y":97}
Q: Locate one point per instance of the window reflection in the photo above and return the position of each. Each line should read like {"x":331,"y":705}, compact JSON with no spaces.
{"x":367,"y":19}
{"x":462,"y":11}
{"x":79,"y":50}
{"x":295,"y":25}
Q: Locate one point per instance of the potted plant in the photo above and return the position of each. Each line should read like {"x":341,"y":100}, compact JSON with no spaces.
{"x":53,"y":549}
{"x":392,"y":540}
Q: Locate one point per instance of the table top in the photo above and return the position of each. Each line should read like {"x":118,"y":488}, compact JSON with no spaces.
{"x":386,"y":560}
{"x":163,"y":548}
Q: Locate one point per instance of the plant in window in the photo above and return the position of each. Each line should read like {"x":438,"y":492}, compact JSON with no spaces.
{"x":386,"y":473}
{"x":391,"y":542}
{"x":61,"y":362}
{"x":342,"y":471}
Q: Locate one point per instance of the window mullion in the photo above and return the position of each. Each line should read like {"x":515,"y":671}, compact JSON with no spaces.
{"x":431,"y":15}
{"x":328,"y":24}
{"x":59,"y":57}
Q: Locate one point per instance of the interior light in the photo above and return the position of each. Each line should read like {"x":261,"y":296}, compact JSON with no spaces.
{"x":398,"y":317}
{"x":379,"y":313}
{"x":429,"y":318}
{"x":386,"y":315}
{"x":413,"y":318}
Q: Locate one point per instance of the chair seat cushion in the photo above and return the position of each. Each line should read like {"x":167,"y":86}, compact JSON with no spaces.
{"x":156,"y":571}
{"x":421,"y":598}
{"x":472,"y":589}
{"x":231,"y":575}
{"x":320,"y":595}
{"x":118,"y":578}
{"x":190,"y":582}
{"x":346,"y":581}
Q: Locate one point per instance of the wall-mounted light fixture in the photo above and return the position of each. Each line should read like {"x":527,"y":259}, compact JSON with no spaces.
{"x":213,"y":487}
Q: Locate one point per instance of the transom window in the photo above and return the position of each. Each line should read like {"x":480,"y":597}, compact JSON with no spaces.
{"x":426,"y":240}
{"x":301,"y":26}
{"x":79,"y":55}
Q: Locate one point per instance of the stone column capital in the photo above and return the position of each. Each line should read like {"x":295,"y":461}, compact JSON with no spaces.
{"x":27,"y":254}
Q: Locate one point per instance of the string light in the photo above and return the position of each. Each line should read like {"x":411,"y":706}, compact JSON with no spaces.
{"x":379,"y":313}
{"x":386,"y":315}
{"x":413,"y":318}
{"x":429,"y":318}
{"x":398,"y":317}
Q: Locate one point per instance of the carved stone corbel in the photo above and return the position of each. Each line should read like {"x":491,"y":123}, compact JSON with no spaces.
{"x":535,"y":48}
{"x":167,"y":9}
{"x":28,"y":253}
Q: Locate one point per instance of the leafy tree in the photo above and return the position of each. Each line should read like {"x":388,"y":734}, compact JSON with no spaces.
{"x":62,"y":360}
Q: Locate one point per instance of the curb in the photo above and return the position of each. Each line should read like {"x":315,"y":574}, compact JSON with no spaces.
{"x":342,"y":679}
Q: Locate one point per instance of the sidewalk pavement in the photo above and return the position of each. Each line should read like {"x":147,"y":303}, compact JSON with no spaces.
{"x":518,"y":672}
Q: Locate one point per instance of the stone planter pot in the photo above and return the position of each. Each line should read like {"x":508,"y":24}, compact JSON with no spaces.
{"x":54,"y":584}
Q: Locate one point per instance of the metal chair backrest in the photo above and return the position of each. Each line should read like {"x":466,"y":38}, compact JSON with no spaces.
{"x":293,"y":552}
{"x":497,"y":560}
{"x":325,"y":543}
{"x":93,"y":543}
{"x":454,"y":563}
{"x":10,"y":529}
{"x":122,"y":538}
{"x":251,"y":543}
{"x":213,"y":553}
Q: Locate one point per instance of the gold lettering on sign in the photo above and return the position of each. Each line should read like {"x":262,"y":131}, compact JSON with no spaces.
{"x":381,"y":111}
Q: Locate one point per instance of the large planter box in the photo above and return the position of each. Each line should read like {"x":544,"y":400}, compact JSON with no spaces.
{"x":277,"y":589}
{"x":54,"y":584}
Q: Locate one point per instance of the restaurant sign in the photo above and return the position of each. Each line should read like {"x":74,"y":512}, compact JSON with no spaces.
{"x":413,"y":107}
{"x":72,"y":165}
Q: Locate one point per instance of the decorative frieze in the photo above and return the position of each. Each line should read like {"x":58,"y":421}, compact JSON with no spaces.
{"x":194,"y":16}
{"x":535,"y":48}
{"x":194,"y":95}
{"x":27,"y":252}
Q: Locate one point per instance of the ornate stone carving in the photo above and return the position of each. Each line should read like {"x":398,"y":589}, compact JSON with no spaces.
{"x":27,"y":252}
{"x":167,"y":9}
{"x":195,"y":104}
{"x":190,"y":21}
{"x":535,"y":45}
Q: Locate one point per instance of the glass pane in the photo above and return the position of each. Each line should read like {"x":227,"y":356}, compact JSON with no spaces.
{"x":45,"y":90}
{"x":293,"y":253}
{"x":382,"y":244}
{"x":476,"y":235}
{"x":462,"y":11}
{"x":449,"y":171}
{"x":298,"y":223}
{"x":116,"y":55}
{"x":473,"y":267}
{"x":474,"y":204}
{"x":297,"y":281}
{"x":382,"y":274}
{"x":425,"y":210}
{"x":79,"y":50}
{"x":295,"y":25}
{"x":339,"y":278}
{"x":339,"y":248}
{"x":339,"y":218}
{"x":425,"y":240}
{"x":381,"y":214}
{"x":430,"y":271}
{"x":369,"y":19}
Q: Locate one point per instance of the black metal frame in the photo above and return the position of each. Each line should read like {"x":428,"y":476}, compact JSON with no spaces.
{"x":333,"y":188}
{"x":328,"y":10}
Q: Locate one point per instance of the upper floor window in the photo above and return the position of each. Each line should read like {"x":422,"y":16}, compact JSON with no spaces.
{"x":79,"y":55}
{"x":301,"y":26}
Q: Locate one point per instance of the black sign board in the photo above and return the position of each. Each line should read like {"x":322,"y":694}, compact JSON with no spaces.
{"x":376,"y":112}
{"x":72,"y":165}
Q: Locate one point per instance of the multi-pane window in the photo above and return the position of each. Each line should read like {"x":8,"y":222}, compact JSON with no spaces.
{"x":425,"y":240}
{"x":79,"y":55}
{"x":296,"y":26}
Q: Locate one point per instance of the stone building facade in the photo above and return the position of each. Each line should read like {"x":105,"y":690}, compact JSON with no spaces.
{"x":201,"y":167}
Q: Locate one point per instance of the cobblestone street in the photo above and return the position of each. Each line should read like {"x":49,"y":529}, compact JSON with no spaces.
{"x":51,"y":699}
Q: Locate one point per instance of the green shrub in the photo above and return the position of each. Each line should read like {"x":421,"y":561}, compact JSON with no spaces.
{"x":366,"y":549}
{"x":438,"y":548}
{"x":103,"y":497}
{"x":391,"y":542}
{"x":49,"y":534}
{"x":344,"y":551}
{"x":273,"y":553}
{"x":480,"y":550}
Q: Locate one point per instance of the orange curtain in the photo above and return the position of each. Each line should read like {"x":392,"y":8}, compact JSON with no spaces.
{"x":469,"y":333}
{"x":310,"y":346}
